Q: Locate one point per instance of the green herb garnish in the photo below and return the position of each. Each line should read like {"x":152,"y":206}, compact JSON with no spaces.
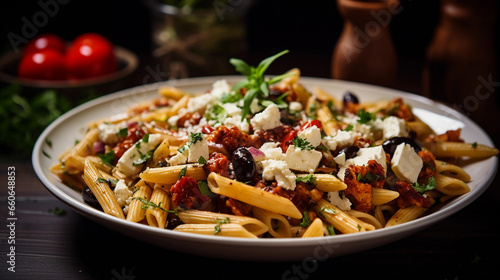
{"x":365,"y":117}
{"x":308,"y":179}
{"x":302,"y":143}
{"x":182,"y":173}
{"x":195,"y":137}
{"x":255,"y":83}
{"x":369,"y":177}
{"x":219,"y":222}
{"x":107,"y":158}
{"x":431,"y":184}
{"x":306,"y":220}
{"x":205,"y":190}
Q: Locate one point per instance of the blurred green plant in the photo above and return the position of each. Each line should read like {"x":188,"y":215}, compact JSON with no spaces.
{"x":24,"y":119}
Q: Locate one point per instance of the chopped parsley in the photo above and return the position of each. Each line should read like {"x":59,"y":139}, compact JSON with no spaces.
{"x":349,"y":128}
{"x":431,"y":184}
{"x":219,"y":222}
{"x":216,"y":113}
{"x":107,"y":158}
{"x":182,"y":173}
{"x":328,"y":210}
{"x":369,"y":177}
{"x":123,"y":132}
{"x":308,"y":179}
{"x":302,"y":143}
{"x":365,"y":117}
{"x":474,"y":145}
{"x":202,"y":160}
{"x":145,"y":138}
{"x":205,"y":190}
{"x":330,"y":229}
{"x":143,"y":157}
{"x":195,"y":137}
{"x":306,"y":220}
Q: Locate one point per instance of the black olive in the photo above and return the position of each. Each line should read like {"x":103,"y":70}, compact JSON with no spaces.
{"x":89,"y":198}
{"x":243,"y":165}
{"x":391,"y":144}
{"x":349,"y":151}
{"x":350,"y":97}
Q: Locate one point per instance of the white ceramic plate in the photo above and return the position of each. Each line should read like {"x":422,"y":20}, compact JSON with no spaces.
{"x":64,"y":131}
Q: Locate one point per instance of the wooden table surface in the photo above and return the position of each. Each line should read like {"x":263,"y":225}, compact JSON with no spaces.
{"x":70,"y":246}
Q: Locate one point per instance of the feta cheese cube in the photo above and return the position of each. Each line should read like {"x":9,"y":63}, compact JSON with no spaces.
{"x":278,"y":171}
{"x":312,"y":135}
{"x":302,"y":160}
{"x":137,"y":152}
{"x":406,"y":163}
{"x":393,"y":126}
{"x":341,"y":139}
{"x":295,"y":106}
{"x":179,"y":158}
{"x":267,"y":119}
{"x":197,"y":150}
{"x":362,"y":157}
{"x":343,"y":203}
{"x":122,"y":193}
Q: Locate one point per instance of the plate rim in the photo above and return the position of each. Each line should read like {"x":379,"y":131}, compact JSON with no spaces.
{"x":409,"y":227}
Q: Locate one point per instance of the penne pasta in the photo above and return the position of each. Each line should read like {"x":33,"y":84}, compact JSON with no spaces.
{"x":102,"y":192}
{"x":233,"y":230}
{"x":451,"y":170}
{"x":169,"y":175}
{"x":136,"y":212}
{"x":450,"y":186}
{"x":338,"y":218}
{"x":251,"y":195}
{"x":366,"y":218}
{"x":156,"y":215}
{"x":383,"y":196}
{"x":252,"y":225}
{"x":327,"y":182}
{"x":459,"y":149}
{"x":315,"y":229}
{"x":277,"y":225}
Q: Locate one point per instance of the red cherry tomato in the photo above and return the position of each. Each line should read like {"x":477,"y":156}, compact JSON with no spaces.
{"x":310,"y":123}
{"x":90,"y":55}
{"x":287,"y":140}
{"x":43,"y":42}
{"x":46,"y":64}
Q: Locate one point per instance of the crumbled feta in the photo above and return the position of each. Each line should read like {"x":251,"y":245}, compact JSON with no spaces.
{"x":219,"y":88}
{"x":108,"y":133}
{"x":272,"y":151}
{"x":232,"y":110}
{"x":312,"y":135}
{"x":343,"y":203}
{"x":199,"y":103}
{"x":406,"y":163}
{"x":179,"y":158}
{"x":243,"y":126}
{"x":341,"y":139}
{"x":393,"y":126}
{"x":197,"y":150}
{"x":340,"y":159}
{"x":278,"y":171}
{"x":295,"y":106}
{"x":254,"y":106}
{"x":122,"y":193}
{"x":362,"y":157}
{"x":267,"y":119}
{"x":136,"y":153}
{"x":302,"y":160}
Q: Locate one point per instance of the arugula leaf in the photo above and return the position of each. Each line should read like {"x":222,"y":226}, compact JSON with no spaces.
{"x":431,"y":184}
{"x":255,"y":83}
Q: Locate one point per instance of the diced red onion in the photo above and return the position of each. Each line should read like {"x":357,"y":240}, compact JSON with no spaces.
{"x":98,"y":147}
{"x":257,"y":154}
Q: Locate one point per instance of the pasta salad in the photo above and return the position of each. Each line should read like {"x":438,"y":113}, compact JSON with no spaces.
{"x":266,"y":157}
